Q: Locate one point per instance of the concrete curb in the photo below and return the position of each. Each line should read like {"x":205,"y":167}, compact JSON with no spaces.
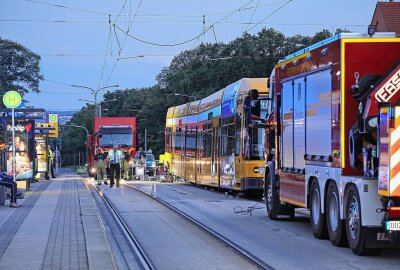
{"x":97,"y":247}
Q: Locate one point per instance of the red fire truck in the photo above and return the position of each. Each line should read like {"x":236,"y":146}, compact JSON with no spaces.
{"x":333,"y":140}
{"x":109,"y":131}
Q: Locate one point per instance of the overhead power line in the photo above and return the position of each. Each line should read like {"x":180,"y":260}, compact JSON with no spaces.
{"x":186,"y":41}
{"x":61,"y":93}
{"x":188,"y":22}
{"x":107,"y":55}
{"x":252,"y":15}
{"x":123,"y":44}
{"x":65,"y":7}
{"x":146,"y":15}
{"x":269,"y":15}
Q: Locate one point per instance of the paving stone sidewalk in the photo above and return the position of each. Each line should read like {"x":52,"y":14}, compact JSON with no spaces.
{"x":57,"y":228}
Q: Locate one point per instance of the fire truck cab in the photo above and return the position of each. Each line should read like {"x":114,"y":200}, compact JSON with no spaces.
{"x":333,"y":145}
{"x":107,"y":132}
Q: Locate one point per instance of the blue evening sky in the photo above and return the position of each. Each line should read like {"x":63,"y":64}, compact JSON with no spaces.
{"x":73,"y":51}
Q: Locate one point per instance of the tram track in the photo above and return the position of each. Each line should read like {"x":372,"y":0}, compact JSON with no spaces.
{"x":241,"y":251}
{"x":142,"y":259}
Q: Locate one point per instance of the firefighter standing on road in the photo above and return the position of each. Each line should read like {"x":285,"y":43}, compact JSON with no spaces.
{"x":100,"y":166}
{"x":127,"y":166}
{"x":115,"y":157}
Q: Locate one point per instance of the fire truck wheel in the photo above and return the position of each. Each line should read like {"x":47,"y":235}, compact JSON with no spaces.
{"x":271,"y":198}
{"x":317,"y":219}
{"x":336,"y":226}
{"x":356,"y":234}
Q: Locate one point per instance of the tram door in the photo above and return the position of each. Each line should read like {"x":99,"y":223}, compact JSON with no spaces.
{"x":183,"y":155}
{"x":215,"y":157}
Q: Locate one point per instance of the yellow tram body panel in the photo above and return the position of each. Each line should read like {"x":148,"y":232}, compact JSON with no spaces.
{"x":213,"y":143}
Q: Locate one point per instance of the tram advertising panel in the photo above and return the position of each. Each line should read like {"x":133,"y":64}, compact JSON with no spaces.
{"x":41,"y":152}
{"x":24,"y":139}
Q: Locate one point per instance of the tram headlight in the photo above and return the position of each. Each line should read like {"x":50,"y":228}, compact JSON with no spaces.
{"x":259,"y":169}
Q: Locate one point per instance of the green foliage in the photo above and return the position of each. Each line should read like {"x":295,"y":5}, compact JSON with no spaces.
{"x":74,"y":139}
{"x":19,"y":68}
{"x":197,"y":72}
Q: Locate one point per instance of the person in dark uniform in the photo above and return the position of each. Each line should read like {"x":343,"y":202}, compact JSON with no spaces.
{"x":100,"y":166}
{"x":50,"y":164}
{"x":252,"y":106}
{"x":8,"y":181}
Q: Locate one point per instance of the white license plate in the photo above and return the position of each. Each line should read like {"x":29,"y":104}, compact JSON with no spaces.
{"x":393,"y":225}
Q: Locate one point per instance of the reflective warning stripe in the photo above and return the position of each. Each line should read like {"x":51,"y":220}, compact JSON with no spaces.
{"x":395,"y":156}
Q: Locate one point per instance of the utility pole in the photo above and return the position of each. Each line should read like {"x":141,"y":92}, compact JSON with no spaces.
{"x":145,"y":140}
{"x":204,"y":27}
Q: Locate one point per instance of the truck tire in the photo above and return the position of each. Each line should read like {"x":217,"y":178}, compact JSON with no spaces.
{"x":317,"y":219}
{"x":271,"y":198}
{"x":356,"y":234}
{"x":272,"y":202}
{"x":336,"y":226}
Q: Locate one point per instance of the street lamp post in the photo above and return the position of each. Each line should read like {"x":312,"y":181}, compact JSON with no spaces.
{"x":95,"y":93}
{"x":183,"y":95}
{"x":99,"y":106}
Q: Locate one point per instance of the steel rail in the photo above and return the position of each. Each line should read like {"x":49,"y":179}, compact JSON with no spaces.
{"x":241,"y":251}
{"x":143,"y":258}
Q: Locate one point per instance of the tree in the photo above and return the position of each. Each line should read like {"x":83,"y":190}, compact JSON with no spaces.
{"x":19,"y":68}
{"x":202,"y":71}
{"x":74,"y":139}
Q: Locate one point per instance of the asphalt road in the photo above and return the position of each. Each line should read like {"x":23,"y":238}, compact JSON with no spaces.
{"x":170,"y":241}
{"x":281,"y":244}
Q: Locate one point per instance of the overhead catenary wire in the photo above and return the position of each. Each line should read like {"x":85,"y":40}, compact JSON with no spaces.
{"x":186,"y":41}
{"x":269,"y":15}
{"x":252,"y":15}
{"x":108,"y":55}
{"x":66,"y":7}
{"x":144,"y":15}
{"x":105,"y":56}
{"x":121,"y":48}
{"x":189,"y":22}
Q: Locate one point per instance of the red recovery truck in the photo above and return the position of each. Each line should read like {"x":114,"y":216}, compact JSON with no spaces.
{"x":107,"y":132}
{"x":333,"y":140}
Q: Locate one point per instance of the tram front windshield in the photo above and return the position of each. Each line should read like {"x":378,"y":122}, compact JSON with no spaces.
{"x":254,"y":143}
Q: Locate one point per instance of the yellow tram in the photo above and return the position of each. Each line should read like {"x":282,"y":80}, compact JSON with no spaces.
{"x":219,"y":141}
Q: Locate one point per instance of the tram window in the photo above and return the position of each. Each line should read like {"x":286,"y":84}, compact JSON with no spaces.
{"x":228,"y":139}
{"x":178,"y":139}
{"x":168,"y":140}
{"x":256,"y":108}
{"x":190,"y":141}
{"x":238,"y":129}
{"x":264,"y":107}
{"x":237,"y":142}
{"x":256,"y":144}
{"x":207,"y":140}
{"x":199,"y":143}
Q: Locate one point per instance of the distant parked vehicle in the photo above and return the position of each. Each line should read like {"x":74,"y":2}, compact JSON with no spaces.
{"x":150,"y":165}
